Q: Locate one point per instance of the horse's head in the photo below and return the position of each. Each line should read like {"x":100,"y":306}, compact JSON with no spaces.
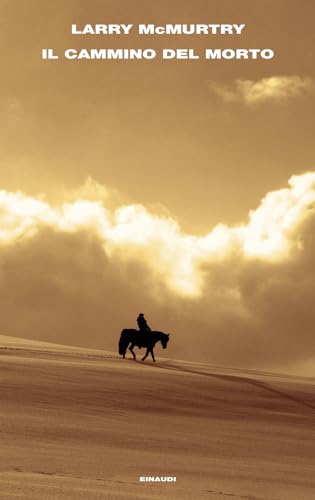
{"x":164,"y":340}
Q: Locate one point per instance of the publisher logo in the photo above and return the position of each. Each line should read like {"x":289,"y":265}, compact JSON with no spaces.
{"x":157,"y":479}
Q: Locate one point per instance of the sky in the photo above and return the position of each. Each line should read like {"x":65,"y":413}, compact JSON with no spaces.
{"x":180,"y":188}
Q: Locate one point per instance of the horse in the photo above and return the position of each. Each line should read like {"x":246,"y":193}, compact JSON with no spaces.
{"x":130,"y":337}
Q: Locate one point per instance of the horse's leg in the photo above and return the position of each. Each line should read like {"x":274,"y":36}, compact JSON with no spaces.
{"x":131,"y":350}
{"x":145,"y":354}
{"x":124,"y":355}
{"x":152,"y":354}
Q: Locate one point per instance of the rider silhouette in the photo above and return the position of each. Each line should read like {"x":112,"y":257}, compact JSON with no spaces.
{"x":142,"y":324}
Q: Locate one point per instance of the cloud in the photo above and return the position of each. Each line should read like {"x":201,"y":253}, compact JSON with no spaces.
{"x":79,"y":272}
{"x":273,"y":89}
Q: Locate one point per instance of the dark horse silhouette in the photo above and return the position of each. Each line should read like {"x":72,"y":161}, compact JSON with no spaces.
{"x":132,"y":338}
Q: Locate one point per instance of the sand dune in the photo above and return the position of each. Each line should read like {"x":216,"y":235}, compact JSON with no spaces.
{"x":81,"y":423}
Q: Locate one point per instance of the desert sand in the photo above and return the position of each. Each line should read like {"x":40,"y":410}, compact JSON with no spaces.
{"x":84,"y":424}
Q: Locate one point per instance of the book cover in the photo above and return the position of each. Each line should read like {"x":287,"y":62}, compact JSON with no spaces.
{"x":157,"y":270}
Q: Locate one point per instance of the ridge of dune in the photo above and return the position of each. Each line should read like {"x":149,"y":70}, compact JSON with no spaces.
{"x":21,"y":343}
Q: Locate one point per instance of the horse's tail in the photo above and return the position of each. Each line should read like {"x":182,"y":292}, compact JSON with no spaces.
{"x":123,"y":343}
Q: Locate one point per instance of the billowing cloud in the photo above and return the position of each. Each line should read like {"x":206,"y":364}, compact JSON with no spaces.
{"x":273,"y":89}
{"x":81,"y":271}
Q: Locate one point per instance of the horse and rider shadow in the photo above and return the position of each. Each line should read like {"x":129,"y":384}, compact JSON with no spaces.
{"x":144,"y":337}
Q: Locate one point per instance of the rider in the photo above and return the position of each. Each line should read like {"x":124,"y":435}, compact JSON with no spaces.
{"x":142,"y":324}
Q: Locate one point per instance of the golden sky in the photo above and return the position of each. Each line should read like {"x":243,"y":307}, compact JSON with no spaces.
{"x":153,"y":129}
{"x":152,"y":167}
